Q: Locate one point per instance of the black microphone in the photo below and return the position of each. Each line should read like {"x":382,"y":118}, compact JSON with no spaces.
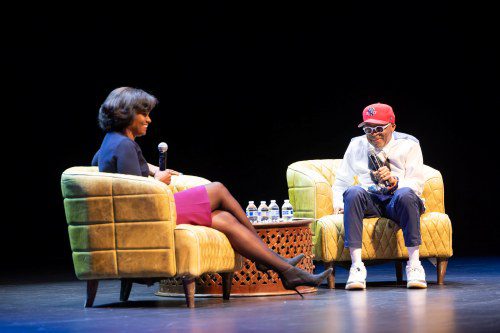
{"x":162,"y":148}
{"x":376,"y":162}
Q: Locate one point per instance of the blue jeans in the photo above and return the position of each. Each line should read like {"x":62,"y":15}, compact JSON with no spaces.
{"x":403,"y":207}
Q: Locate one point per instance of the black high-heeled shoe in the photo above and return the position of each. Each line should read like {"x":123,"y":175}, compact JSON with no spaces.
{"x":291,"y":261}
{"x":294,"y":277}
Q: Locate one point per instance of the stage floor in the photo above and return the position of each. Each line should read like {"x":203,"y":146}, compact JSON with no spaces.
{"x":468,"y":302}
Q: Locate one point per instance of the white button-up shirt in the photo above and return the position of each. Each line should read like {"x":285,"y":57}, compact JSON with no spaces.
{"x":405,"y":158}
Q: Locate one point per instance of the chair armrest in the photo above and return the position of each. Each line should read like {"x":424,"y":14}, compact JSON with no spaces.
{"x":119,"y":225}
{"x":433,"y":193}
{"x":309,"y":191}
{"x":181,"y":183}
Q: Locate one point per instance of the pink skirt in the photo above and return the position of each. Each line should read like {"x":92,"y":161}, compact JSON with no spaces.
{"x":193,"y":206}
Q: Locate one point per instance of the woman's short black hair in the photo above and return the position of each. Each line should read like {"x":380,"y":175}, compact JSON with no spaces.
{"x":121,"y":105}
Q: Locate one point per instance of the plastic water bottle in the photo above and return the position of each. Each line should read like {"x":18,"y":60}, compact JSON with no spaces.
{"x":287,"y":211}
{"x":252,"y":212}
{"x":263,"y":212}
{"x":274,"y":211}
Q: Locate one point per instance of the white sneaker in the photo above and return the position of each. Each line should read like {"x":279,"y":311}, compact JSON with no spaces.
{"x":415,"y":277}
{"x":357,"y":277}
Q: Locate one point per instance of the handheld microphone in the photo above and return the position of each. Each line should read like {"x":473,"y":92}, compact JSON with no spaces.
{"x":376,"y":162}
{"x":162,"y":148}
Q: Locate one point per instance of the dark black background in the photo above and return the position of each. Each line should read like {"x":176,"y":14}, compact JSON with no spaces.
{"x":245,"y":91}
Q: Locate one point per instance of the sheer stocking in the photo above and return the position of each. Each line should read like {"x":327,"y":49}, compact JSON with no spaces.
{"x":246,"y":242}
{"x":222,"y":199}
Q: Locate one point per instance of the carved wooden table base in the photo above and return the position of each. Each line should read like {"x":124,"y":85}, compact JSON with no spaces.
{"x":288,"y":239}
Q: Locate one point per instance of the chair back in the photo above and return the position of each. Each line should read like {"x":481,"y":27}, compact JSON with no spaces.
{"x":319,"y":176}
{"x":119,"y":225}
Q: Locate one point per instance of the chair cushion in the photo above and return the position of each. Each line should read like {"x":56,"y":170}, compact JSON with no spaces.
{"x":383,"y":239}
{"x":200,"y":250}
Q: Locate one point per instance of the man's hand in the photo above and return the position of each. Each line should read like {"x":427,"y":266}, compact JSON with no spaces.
{"x":338,"y":210}
{"x":384,"y":174}
{"x":164,"y":176}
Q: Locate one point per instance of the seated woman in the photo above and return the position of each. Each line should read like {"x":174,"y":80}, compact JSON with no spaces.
{"x":124,"y":115}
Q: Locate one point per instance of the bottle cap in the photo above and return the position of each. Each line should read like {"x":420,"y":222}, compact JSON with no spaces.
{"x":273,"y":200}
{"x":250,"y":202}
{"x":263,"y":202}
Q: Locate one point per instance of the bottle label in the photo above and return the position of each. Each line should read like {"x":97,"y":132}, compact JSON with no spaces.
{"x":275,"y":213}
{"x":288,"y":212}
{"x":251,"y":213}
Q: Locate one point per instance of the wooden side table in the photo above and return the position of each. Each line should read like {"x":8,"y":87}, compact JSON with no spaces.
{"x":288,"y":239}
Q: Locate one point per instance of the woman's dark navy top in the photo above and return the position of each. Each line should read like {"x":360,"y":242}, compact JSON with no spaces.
{"x":120,"y":154}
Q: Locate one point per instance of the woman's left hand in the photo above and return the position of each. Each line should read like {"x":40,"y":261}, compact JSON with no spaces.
{"x":164,"y":176}
{"x":173,"y":172}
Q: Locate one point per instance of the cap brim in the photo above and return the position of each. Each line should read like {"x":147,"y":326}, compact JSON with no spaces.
{"x":373,"y":121}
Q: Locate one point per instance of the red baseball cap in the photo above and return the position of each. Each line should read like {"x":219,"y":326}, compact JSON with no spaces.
{"x":378,"y":113}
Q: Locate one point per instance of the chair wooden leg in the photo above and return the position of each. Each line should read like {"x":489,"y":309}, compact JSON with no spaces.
{"x":331,"y":278}
{"x":398,"y":264}
{"x":442,"y":264}
{"x":189,"y":285}
{"x":227,"y":279}
{"x":92,"y":286}
{"x":126,"y":287}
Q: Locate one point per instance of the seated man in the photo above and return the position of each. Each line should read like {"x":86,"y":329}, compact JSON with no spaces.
{"x":389,"y":166}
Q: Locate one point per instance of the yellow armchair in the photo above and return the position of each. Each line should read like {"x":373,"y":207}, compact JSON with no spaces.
{"x":310,"y":191}
{"x":124,"y":227}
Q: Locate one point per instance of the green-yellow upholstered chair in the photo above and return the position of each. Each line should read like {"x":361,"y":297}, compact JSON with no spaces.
{"x":310,"y":191}
{"x":124,"y":227}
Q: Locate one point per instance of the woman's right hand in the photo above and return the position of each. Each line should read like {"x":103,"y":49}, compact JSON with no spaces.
{"x":164,"y":176}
